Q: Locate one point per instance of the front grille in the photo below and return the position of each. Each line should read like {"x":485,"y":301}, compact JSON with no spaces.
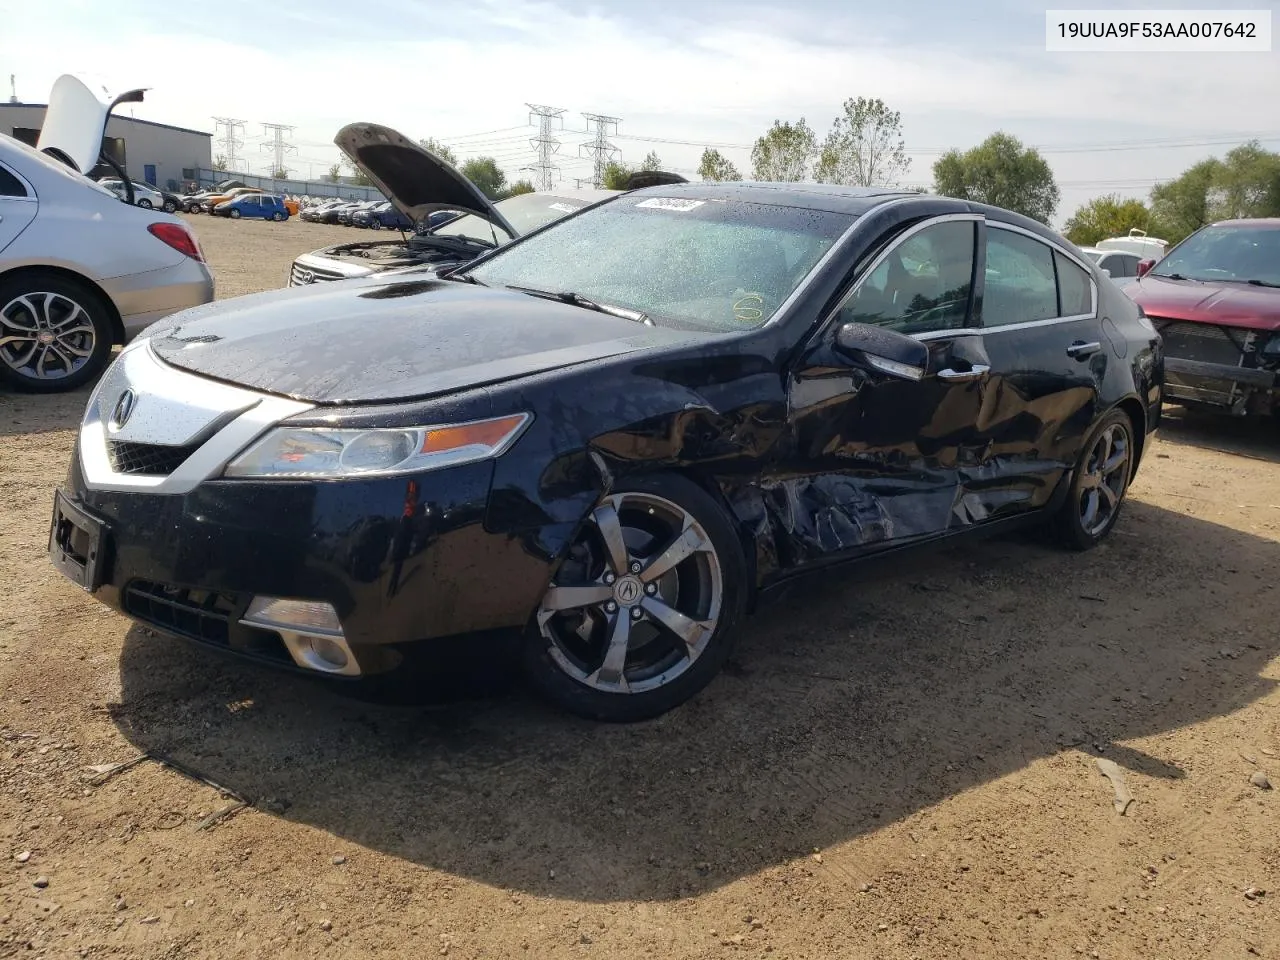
{"x":299,"y":275}
{"x":1201,"y":341}
{"x":198,"y":614}
{"x":147,"y":459}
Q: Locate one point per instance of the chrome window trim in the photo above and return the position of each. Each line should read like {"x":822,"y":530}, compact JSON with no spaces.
{"x":898,"y":241}
{"x":810,"y":277}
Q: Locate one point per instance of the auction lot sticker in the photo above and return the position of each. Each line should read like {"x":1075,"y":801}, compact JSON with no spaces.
{"x":670,"y":203}
{"x":1158,"y":31}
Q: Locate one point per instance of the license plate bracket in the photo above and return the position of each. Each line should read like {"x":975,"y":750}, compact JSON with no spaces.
{"x":77,"y":543}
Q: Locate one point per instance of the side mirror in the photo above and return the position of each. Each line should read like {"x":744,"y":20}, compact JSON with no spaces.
{"x":885,"y":350}
{"x":1144,"y":267}
{"x":1107,"y":271}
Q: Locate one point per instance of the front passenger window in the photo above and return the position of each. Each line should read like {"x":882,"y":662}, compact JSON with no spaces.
{"x":923,"y":283}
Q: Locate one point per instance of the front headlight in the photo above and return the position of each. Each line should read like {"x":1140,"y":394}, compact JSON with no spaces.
{"x":323,"y":452}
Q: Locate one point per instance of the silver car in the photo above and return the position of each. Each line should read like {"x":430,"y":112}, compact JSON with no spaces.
{"x":79,"y":270}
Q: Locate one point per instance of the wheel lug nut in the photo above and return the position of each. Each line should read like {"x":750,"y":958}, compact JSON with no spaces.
{"x":609,"y":578}
{"x":636,"y":613}
{"x":635,"y":567}
{"x":611,"y":606}
{"x":651,"y":589}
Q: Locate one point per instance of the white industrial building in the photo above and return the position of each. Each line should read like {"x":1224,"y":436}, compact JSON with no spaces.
{"x":156,"y":153}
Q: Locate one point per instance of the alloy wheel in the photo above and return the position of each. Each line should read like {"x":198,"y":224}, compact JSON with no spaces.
{"x":637,"y":599}
{"x":1103,"y":482}
{"x":45,"y":336}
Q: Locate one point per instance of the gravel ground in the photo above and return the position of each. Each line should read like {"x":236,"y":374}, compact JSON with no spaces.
{"x":898,"y":765}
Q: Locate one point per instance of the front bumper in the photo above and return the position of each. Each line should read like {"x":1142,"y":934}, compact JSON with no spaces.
{"x":400,"y":559}
{"x":1242,"y":389}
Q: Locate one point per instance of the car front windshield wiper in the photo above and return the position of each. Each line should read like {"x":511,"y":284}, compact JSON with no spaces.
{"x":462,"y":278}
{"x":1172,"y":276}
{"x":578,"y":300}
{"x":1262,"y":283}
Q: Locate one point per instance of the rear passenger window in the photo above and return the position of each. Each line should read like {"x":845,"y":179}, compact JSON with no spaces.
{"x":1074,"y":287}
{"x":11,"y":186}
{"x":1020,"y":283}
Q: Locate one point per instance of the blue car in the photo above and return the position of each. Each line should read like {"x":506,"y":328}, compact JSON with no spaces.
{"x":262,"y":205}
{"x":379,"y":216}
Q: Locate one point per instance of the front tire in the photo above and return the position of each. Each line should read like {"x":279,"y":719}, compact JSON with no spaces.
{"x":375,"y":224}
{"x":1098,"y":484}
{"x":642,"y":612}
{"x":55,"y":333}
{"x":234,"y":214}
{"x":170,"y":206}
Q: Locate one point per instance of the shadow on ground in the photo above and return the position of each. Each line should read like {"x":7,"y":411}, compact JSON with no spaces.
{"x":853,"y":703}
{"x":1255,"y":437}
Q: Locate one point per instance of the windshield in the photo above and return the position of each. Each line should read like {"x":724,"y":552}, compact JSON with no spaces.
{"x":706,"y":264}
{"x":526,"y":212}
{"x":1220,"y":253}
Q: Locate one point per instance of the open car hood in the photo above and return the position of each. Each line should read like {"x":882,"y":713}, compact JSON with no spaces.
{"x":415,"y":180}
{"x":75,"y":123}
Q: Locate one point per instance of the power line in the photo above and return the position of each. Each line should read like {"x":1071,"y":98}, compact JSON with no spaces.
{"x":277,"y":144}
{"x":600,"y":150}
{"x":230,"y":142}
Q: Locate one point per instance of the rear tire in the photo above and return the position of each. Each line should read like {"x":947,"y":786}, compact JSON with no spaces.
{"x":643,"y":610}
{"x":59,"y":333}
{"x":144,"y":203}
{"x":277,"y":216}
{"x":1098,"y":484}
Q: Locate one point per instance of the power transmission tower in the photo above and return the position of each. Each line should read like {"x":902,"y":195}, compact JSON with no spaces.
{"x":545,"y":143}
{"x":600,"y":150}
{"x":230,"y":142}
{"x":278,"y":145}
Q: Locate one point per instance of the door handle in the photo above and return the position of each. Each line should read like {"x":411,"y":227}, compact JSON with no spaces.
{"x":976,"y":372}
{"x":1080,"y":349}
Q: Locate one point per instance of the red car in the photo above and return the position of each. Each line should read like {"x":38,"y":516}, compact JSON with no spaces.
{"x":1215,"y":298}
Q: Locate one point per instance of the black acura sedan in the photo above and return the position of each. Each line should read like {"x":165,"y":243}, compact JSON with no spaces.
{"x":610,"y":437}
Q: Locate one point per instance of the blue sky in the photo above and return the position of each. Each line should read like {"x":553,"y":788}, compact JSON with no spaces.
{"x":697,"y":71}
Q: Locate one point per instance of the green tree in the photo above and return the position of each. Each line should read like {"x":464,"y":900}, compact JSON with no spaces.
{"x":1247,"y":184}
{"x":485,"y":173}
{"x":358,"y":176}
{"x":517,"y":188}
{"x":716,"y":167}
{"x":280,"y":173}
{"x":1002,"y":172}
{"x":1104,"y":217}
{"x":220,"y":163}
{"x":441,"y":150}
{"x":1182,"y":206}
{"x":784,"y":152}
{"x":334,"y":174}
{"x":616,"y":175}
{"x":651,"y":161}
{"x":865,"y":147}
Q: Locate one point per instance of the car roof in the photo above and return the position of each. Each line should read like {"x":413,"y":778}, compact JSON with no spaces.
{"x":1267,"y":223}
{"x":589,"y":194}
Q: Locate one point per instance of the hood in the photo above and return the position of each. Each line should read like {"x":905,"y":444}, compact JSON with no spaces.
{"x":1225,"y":304}
{"x":415,"y":180}
{"x":373,"y":341}
{"x":76,"y":121}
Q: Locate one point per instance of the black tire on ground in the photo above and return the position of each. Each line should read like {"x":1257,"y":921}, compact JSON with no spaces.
{"x":575,"y":695}
{"x":233,"y":213}
{"x":144,"y":203}
{"x":170,"y":206}
{"x":38,"y":288}
{"x":1098,"y":484}
{"x":277,"y":216}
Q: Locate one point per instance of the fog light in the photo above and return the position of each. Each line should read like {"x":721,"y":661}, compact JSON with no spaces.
{"x":330,"y":652}
{"x":303,"y":616}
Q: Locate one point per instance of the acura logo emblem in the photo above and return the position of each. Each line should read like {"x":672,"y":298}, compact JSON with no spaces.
{"x":123,"y":411}
{"x":628,"y":591}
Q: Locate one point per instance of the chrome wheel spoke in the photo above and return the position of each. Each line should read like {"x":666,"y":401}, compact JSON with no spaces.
{"x":606,"y":520}
{"x":1110,"y":496}
{"x":1090,"y":515}
{"x":691,"y":631}
{"x":613,"y":669}
{"x":44,"y":356}
{"x":574,"y":598}
{"x":36,"y":315}
{"x":5,"y":341}
{"x":680,"y":549}
{"x":76,"y":313}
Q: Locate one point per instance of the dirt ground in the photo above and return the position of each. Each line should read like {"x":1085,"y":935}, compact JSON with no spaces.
{"x":898,"y":765}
